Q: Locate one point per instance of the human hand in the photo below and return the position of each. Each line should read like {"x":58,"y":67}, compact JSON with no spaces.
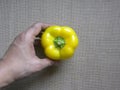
{"x":20,"y":59}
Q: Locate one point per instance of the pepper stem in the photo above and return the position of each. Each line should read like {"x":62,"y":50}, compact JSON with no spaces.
{"x":59,"y":42}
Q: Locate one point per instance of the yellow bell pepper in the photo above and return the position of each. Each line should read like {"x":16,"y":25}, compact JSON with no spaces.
{"x":59,"y":42}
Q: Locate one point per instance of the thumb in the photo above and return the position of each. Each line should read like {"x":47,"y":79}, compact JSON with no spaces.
{"x":46,"y":62}
{"x":42,"y":63}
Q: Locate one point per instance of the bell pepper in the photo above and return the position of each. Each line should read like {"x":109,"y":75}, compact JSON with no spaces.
{"x":59,"y":42}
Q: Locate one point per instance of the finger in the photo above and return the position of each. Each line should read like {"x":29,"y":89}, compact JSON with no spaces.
{"x":35,"y":29}
{"x":40,"y":64}
{"x":46,"y":62}
{"x":43,"y":63}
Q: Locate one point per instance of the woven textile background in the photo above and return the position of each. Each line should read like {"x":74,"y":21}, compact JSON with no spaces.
{"x":96,"y":63}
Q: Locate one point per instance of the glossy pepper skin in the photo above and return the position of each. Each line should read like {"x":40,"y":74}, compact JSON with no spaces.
{"x":59,"y":42}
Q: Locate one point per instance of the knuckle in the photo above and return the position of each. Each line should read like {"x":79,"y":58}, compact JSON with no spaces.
{"x":20,"y":37}
{"x":19,"y":40}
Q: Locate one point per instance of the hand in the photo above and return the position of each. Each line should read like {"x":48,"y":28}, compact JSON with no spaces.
{"x":20,"y":59}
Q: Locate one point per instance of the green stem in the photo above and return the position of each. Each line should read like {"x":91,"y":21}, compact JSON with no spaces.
{"x":59,"y":42}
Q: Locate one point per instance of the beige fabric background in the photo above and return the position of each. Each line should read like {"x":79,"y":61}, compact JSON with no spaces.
{"x":96,"y":63}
